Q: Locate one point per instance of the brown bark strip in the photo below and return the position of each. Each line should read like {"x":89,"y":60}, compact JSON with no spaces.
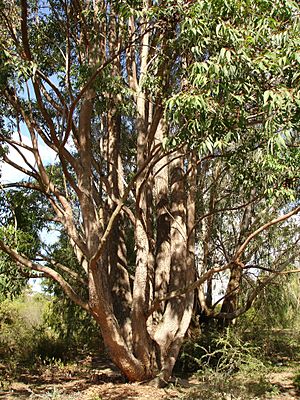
{"x":117,"y":252}
{"x":101,"y":308}
{"x":24,"y":29}
{"x":170,"y":331}
{"x":163,"y":259}
{"x":141,"y":286}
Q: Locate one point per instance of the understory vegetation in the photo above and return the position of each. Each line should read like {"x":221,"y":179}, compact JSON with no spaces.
{"x":35,"y":331}
{"x":39,"y":338}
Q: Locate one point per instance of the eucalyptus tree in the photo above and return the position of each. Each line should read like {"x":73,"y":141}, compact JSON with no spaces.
{"x":147,"y":106}
{"x":240,"y":102}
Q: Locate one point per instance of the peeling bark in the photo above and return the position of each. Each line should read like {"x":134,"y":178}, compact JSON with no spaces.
{"x":102,"y":310}
{"x":176,"y":318}
{"x":116,"y":249}
{"x":163,"y":251}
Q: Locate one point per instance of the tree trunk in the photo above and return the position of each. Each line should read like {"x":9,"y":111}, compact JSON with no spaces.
{"x":142,"y":344}
{"x":230,"y":303}
{"x":100,"y":303}
{"x":176,"y":318}
{"x":163,"y":250}
{"x":116,"y":249}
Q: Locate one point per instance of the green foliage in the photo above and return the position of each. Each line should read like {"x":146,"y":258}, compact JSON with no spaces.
{"x":25,"y":335}
{"x":20,"y":322}
{"x":62,"y":312}
{"x":23,"y":216}
{"x":297,"y":381}
{"x":12,"y":278}
{"x":236,"y":64}
{"x":73,"y":327}
{"x":228,"y":353}
{"x":225,"y":353}
{"x":236,"y":364}
{"x":216,"y":386}
{"x":240,"y":96}
{"x":277,"y":306}
{"x":275,"y":345}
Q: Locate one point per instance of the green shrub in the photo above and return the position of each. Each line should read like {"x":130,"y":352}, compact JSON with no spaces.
{"x":16,"y":336}
{"x":297,"y":381}
{"x":220,"y":386}
{"x":24,"y":337}
{"x":73,"y":326}
{"x":221,"y":352}
{"x":49,"y":347}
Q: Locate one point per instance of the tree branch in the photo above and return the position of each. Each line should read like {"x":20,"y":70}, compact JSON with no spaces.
{"x":25,"y":262}
{"x":274,"y":221}
{"x":24,"y":29}
{"x":64,"y":268}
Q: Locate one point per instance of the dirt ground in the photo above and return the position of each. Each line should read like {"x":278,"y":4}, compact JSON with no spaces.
{"x":284,"y":381}
{"x":84,"y":381}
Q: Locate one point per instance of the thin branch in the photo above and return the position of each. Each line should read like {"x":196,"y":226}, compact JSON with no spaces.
{"x":183,"y":291}
{"x":25,"y":262}
{"x":42,"y":76}
{"x":274,"y":221}
{"x":19,"y":168}
{"x":223,"y":210}
{"x":255,"y":292}
{"x":64,"y":268}
{"x":292,"y":271}
{"x":118,"y":208}
{"x":92,"y":78}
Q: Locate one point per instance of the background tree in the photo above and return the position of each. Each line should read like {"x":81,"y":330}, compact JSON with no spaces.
{"x":158,"y":112}
{"x":22,"y":219}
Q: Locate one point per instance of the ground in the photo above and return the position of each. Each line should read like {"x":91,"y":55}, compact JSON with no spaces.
{"x":99,"y":380}
{"x":284,"y":380}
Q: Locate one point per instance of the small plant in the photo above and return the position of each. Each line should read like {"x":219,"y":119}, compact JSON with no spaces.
{"x":231,"y":354}
{"x":55,"y":394}
{"x":4,"y":384}
{"x":297,"y":381}
{"x":95,"y":397}
{"x":226,"y":353}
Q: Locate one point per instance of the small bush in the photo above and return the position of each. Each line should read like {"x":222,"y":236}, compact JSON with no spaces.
{"x":24,"y":337}
{"x":226,"y":353}
{"x":16,"y":336}
{"x":297,"y":381}
{"x":220,"y":386}
{"x":49,"y":347}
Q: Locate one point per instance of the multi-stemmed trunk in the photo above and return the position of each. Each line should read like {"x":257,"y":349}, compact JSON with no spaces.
{"x":142,"y":331}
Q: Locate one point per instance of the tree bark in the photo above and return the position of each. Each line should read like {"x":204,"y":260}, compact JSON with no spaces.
{"x":142,"y":346}
{"x":230,"y":303}
{"x":101,"y":307}
{"x":176,"y":318}
{"x":116,"y":249}
{"x":163,"y":250}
